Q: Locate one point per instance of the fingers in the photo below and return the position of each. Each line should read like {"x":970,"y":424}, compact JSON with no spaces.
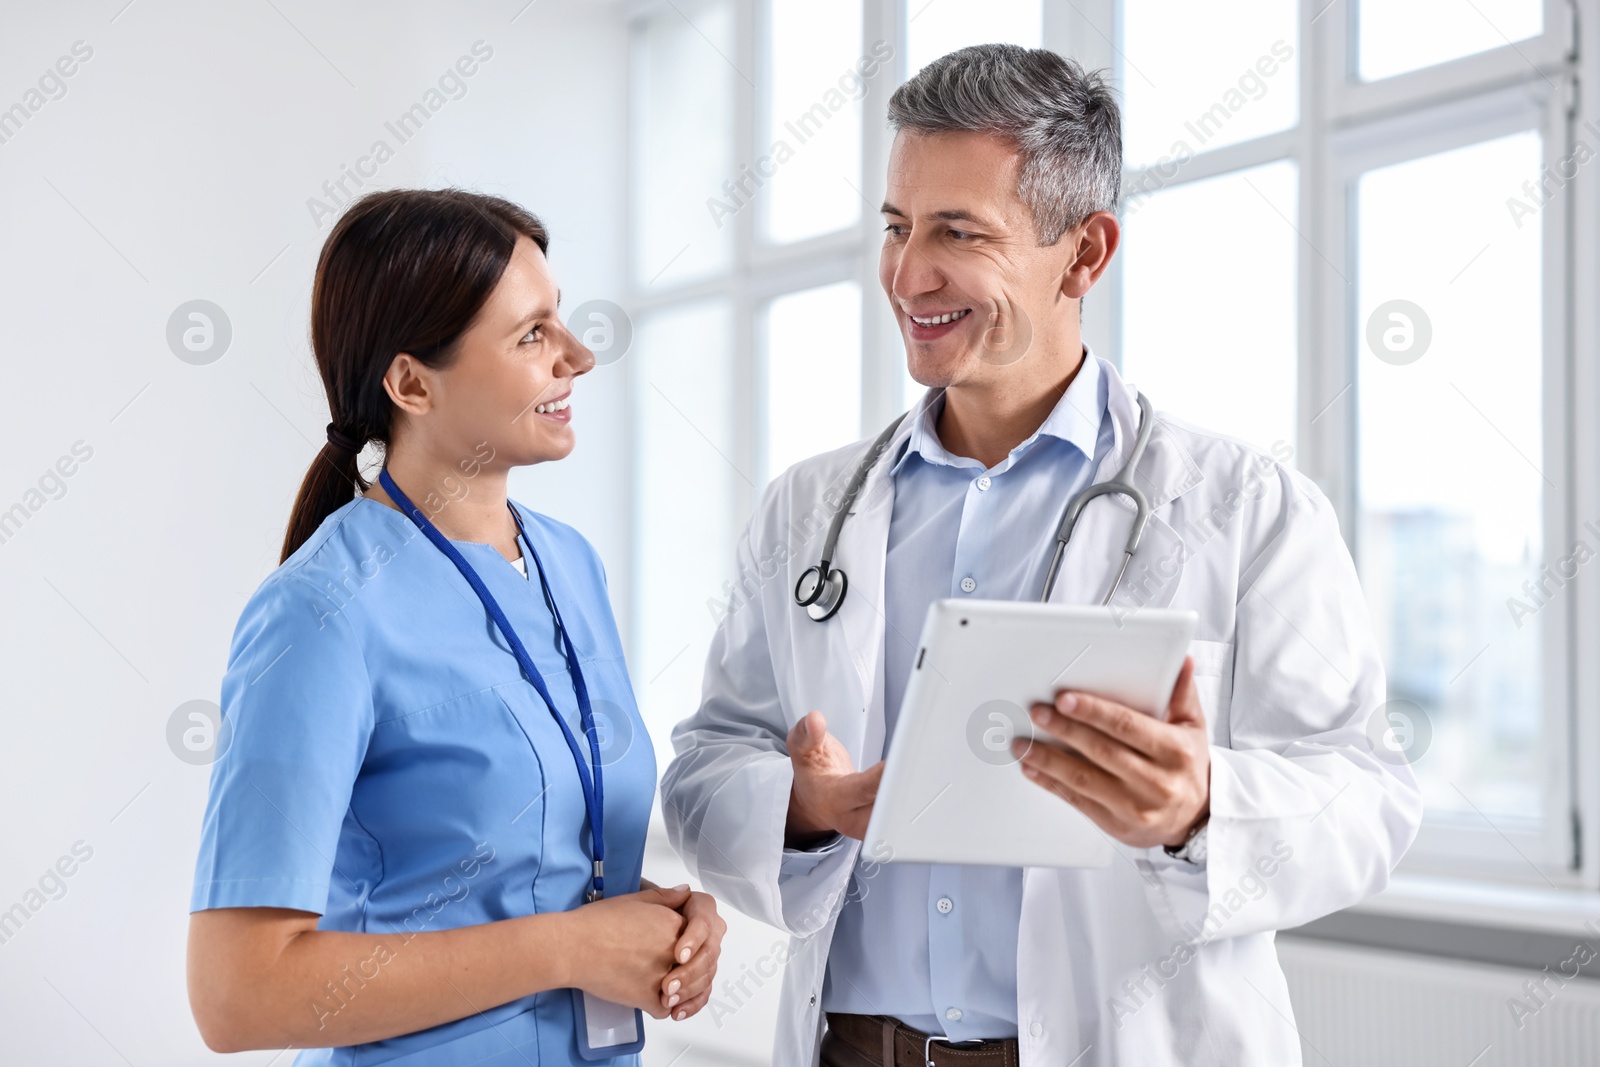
{"x":704,"y":926}
{"x":863,"y":787}
{"x":1135,"y":729}
{"x":854,"y":822}
{"x":694,"y":935}
{"x":692,"y":980}
{"x":691,"y":1007}
{"x":806,"y":736}
{"x":1098,"y":813}
{"x":858,"y":793}
{"x":1048,"y":764}
{"x":1142,"y":808}
{"x":675,"y":897}
{"x":1184,"y":705}
{"x":1100,"y":749}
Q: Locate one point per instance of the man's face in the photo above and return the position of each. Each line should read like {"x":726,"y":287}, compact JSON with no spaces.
{"x":959,"y":242}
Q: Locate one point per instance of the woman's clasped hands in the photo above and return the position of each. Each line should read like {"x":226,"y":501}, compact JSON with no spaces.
{"x":655,"y":950}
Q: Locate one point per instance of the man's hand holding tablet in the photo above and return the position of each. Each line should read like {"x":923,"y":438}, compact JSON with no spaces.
{"x":1142,"y":780}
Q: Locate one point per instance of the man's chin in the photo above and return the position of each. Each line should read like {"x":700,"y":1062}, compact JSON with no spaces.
{"x":941,"y":373}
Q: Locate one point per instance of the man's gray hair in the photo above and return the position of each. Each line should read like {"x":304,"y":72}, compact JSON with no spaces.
{"x":1064,"y":122}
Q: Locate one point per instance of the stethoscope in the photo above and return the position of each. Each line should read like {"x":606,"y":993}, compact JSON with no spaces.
{"x":821,"y":588}
{"x":593,"y":790}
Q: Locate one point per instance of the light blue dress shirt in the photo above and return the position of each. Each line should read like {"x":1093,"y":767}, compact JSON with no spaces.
{"x":385,"y":763}
{"x":935,"y":945}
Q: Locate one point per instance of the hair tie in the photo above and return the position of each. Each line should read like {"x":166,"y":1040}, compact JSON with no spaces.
{"x":342,"y":441}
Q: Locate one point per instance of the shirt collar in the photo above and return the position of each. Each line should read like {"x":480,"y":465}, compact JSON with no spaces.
{"x":1075,"y":419}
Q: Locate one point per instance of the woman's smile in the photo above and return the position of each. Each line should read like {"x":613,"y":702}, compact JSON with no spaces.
{"x":557,"y":410}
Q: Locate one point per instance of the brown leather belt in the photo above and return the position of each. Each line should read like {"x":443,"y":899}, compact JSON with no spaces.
{"x":888,"y":1042}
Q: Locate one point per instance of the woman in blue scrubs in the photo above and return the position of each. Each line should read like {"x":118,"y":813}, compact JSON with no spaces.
{"x":429,"y":733}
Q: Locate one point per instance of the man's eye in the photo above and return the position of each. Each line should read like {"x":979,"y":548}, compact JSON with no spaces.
{"x":959,"y":234}
{"x":895,"y":228}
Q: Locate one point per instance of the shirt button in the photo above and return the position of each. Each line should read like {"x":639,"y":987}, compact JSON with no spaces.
{"x":953,"y":1014}
{"x":968,"y":585}
{"x":984,"y":482}
{"x":1036,"y":1029}
{"x":945,"y":905}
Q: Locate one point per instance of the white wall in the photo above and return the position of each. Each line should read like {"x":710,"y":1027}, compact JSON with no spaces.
{"x":177,"y":166}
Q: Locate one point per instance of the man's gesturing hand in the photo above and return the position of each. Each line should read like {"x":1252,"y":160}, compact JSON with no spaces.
{"x":1143,"y":781}
{"x":829,"y":794}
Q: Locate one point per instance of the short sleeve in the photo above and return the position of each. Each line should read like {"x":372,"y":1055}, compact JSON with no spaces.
{"x":297,"y":713}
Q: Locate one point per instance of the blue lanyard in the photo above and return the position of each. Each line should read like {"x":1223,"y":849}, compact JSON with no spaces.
{"x":593,"y":791}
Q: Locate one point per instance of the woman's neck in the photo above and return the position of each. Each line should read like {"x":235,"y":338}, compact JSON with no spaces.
{"x":464,"y":507}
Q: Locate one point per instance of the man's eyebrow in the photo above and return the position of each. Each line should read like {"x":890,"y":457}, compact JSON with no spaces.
{"x":947,"y":215}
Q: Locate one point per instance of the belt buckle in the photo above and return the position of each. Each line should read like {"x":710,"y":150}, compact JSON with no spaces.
{"x":927,"y":1046}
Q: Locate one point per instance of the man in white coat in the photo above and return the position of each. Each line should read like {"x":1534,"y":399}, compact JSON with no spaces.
{"x":1258,"y":804}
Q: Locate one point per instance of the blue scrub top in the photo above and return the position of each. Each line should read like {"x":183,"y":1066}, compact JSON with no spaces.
{"x":388,"y":766}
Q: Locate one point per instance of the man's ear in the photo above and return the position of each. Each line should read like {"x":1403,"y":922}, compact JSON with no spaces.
{"x":1088,"y":249}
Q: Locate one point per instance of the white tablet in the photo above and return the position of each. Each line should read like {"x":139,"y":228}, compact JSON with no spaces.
{"x":952,"y":791}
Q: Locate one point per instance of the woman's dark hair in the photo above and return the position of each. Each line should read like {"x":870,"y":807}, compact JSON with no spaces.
{"x":405,"y":270}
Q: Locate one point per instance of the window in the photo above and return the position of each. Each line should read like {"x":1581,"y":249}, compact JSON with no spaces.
{"x":1191,"y":82}
{"x":1382,"y":263}
{"x":1310,"y":194}
{"x":935,"y":27}
{"x":813,"y":123}
{"x":683,"y":103}
{"x":684,"y":453}
{"x":812,"y":344}
{"x":1449,"y":477}
{"x":759,"y":142}
{"x":1397,"y":36}
{"x":1180,"y":272}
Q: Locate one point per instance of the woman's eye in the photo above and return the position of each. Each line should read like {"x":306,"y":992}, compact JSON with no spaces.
{"x":532,"y":335}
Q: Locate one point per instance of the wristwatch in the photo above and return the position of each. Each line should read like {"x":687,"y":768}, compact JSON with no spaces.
{"x":1193,"y":849}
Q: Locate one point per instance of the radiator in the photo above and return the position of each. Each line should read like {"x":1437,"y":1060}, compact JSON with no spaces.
{"x":1365,"y":1007}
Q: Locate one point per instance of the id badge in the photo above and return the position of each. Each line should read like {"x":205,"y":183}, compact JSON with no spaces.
{"x":606,"y":1029}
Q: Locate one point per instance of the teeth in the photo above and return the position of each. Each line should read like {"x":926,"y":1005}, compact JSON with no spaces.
{"x":938,"y":320}
{"x":555,"y":405}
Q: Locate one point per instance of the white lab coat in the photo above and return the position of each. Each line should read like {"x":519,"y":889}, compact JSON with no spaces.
{"x":1151,"y":961}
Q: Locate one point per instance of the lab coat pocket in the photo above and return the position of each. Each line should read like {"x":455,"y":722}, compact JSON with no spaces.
{"x":1213,"y":681}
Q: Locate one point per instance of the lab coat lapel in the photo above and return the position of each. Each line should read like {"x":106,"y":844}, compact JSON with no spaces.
{"x":1095,"y":550}
{"x":859,"y":634}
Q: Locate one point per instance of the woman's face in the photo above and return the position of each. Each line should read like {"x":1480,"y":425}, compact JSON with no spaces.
{"x":510,"y":385}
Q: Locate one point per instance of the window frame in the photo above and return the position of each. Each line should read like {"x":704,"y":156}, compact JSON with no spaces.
{"x":1346,"y":127}
{"x":1342,"y":122}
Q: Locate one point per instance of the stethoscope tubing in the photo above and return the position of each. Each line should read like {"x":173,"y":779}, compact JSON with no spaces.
{"x":821,"y":588}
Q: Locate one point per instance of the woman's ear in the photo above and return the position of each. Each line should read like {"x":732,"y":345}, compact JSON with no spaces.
{"x":409,"y":383}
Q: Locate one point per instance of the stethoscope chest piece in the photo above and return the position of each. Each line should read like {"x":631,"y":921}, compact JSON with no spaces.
{"x":821,"y":594}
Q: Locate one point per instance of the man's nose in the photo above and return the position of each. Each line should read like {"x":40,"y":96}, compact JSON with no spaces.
{"x":914,"y":272}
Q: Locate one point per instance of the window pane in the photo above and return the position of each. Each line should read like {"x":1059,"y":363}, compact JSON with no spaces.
{"x":1193,"y":81}
{"x":1208,"y":313}
{"x":812,"y":145}
{"x":683,"y":111}
{"x":935,"y":27}
{"x":1400,"y":35}
{"x":813,"y":344}
{"x":684,"y":490}
{"x":1449,"y":372}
